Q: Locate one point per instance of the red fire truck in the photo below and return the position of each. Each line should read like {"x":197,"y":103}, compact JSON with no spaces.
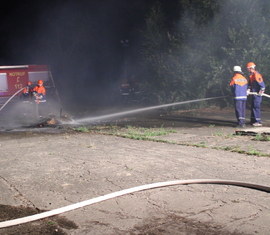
{"x":14,"y":78}
{"x":12,"y":81}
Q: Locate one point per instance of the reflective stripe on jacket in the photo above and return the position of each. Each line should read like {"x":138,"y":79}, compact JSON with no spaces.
{"x":239,"y":85}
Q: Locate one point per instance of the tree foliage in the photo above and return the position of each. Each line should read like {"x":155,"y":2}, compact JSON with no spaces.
{"x":195,"y":59}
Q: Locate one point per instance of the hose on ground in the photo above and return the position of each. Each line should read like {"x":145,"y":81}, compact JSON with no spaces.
{"x":128,"y":191}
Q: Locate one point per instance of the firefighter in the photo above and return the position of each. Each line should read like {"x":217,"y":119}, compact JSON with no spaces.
{"x":239,"y":86}
{"x":256,"y":84}
{"x":125,"y":91}
{"x":27,"y":92}
{"x":39,"y":92}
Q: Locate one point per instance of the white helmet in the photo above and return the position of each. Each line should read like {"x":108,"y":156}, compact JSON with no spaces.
{"x":237,"y":69}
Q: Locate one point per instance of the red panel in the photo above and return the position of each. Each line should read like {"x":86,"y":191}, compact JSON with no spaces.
{"x":17,"y":79}
{"x":18,"y":76}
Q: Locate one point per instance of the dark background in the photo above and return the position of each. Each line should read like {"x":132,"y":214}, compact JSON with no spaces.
{"x":80,"y":40}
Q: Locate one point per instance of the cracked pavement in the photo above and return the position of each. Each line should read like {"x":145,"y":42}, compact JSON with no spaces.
{"x":49,"y":168}
{"x":48,"y":171}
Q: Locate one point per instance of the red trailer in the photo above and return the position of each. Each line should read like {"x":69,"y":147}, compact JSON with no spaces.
{"x":14,"y":78}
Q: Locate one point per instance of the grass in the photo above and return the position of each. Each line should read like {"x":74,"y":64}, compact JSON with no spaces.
{"x":230,"y":135}
{"x":253,"y":151}
{"x":202,"y":144}
{"x":141,"y":133}
{"x":219,"y":133}
{"x":262,"y":137}
{"x":150,"y":134}
{"x":90,"y":145}
{"x":236,"y":149}
{"x":137,"y":133}
{"x":82,"y":129}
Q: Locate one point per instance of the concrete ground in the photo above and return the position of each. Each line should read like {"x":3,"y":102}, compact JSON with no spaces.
{"x":48,"y":168}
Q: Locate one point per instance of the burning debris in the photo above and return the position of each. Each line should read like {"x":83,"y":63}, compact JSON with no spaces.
{"x":55,"y":121}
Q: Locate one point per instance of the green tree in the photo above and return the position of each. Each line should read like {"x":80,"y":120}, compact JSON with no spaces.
{"x":175,"y":62}
{"x":247,"y":34}
{"x":154,"y":52}
{"x":195,"y":60}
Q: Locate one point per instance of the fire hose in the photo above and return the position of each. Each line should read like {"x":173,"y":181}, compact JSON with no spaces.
{"x":128,"y":191}
{"x":11,"y":98}
{"x":255,"y":93}
{"x":134,"y":189}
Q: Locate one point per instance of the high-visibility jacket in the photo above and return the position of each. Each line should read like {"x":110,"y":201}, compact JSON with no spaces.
{"x":40,"y":90}
{"x":239,"y":85}
{"x":256,"y":82}
{"x":27,"y":90}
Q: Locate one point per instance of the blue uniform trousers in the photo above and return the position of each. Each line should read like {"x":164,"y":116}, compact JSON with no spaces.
{"x":240,"y":111}
{"x":256,"y":109}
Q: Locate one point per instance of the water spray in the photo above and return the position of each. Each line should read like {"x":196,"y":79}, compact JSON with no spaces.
{"x":128,"y":191}
{"x":92,"y":119}
{"x":71,"y":207}
{"x":11,"y":98}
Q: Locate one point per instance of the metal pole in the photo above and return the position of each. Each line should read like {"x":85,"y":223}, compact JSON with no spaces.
{"x":125,"y":62}
{"x":125,"y":44}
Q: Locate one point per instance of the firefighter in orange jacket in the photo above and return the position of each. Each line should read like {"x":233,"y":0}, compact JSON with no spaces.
{"x":39,"y":92}
{"x":239,"y":85}
{"x":256,"y":84}
{"x":27,"y":92}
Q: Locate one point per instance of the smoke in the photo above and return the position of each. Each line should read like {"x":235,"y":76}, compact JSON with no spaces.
{"x":237,"y":25}
{"x":16,"y":115}
{"x":74,"y":38}
{"x":213,"y":40}
{"x":80,"y":40}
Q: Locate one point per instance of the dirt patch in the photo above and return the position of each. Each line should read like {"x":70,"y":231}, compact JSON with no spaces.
{"x":52,"y":225}
{"x":173,"y":224}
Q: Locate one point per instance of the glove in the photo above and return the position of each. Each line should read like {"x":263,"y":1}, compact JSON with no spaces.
{"x":260,"y":93}
{"x":248,"y":90}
